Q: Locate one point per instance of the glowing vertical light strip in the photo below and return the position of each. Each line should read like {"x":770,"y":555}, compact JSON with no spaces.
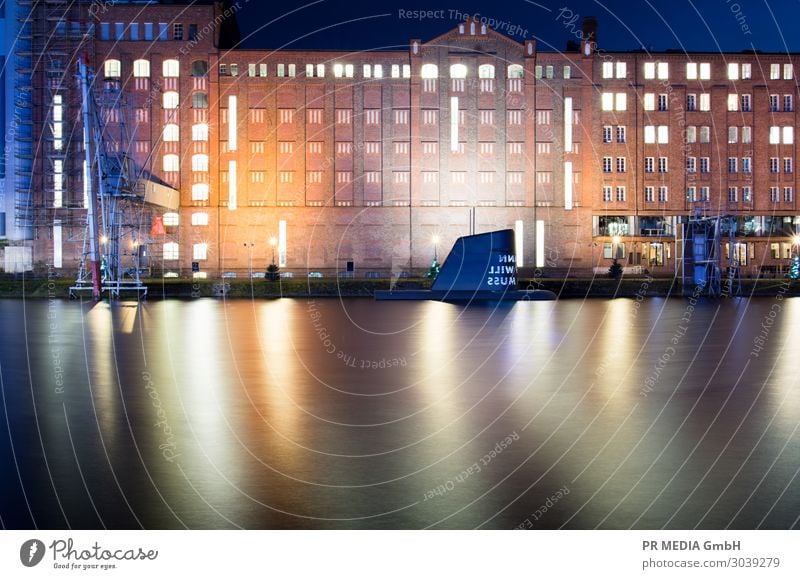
{"x":58,"y":250}
{"x":567,"y":185}
{"x":232,"y":123}
{"x":58,"y":183}
{"x":518,"y":242}
{"x":568,"y":125}
{"x":232,"y":185}
{"x":454,"y":114}
{"x":85,"y":185}
{"x":282,"y":243}
{"x":539,"y":243}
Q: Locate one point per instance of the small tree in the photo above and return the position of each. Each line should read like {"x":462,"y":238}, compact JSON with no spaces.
{"x":273,"y":272}
{"x":615,"y":271}
{"x":433,"y":271}
{"x":794,"y":269}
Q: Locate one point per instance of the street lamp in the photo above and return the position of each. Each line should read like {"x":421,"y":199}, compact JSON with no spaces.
{"x":249,"y":245}
{"x":433,"y":272}
{"x":272,"y":269}
{"x":272,"y":243}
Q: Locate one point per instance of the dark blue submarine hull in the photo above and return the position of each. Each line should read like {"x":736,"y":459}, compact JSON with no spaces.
{"x":480,"y":267}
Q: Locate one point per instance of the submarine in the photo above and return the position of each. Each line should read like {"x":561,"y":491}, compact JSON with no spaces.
{"x":479,"y":267}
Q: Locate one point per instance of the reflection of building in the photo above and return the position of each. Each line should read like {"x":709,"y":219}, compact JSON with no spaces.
{"x":359,"y":157}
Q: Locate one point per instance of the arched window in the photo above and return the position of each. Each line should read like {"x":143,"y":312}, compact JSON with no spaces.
{"x":199,"y":162}
{"x":141,"y":68}
{"x":486,"y":71}
{"x":171,"y":219}
{"x":112,"y":68}
{"x":172,"y":163}
{"x":172,"y":68}
{"x":458,"y":71}
{"x":200,"y":192}
{"x":429,"y":71}
{"x":171,"y":133}
{"x":171,"y":100}
{"x":200,"y":68}
{"x":516,"y":71}
{"x":200,"y":132}
{"x":199,"y":100}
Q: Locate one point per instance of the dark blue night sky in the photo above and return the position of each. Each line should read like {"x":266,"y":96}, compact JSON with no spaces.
{"x":689,"y":25}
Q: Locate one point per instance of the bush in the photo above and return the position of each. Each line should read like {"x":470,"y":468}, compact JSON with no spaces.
{"x":615,"y":271}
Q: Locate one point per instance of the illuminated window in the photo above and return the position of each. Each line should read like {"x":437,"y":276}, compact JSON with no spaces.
{"x":199,"y":251}
{"x":458,"y":71}
{"x":171,"y":163}
{"x":200,"y":162}
{"x":200,"y":192}
{"x":486,"y":71}
{"x":200,"y":218}
{"x":141,"y":68}
{"x":171,"y":68}
{"x":429,"y":71}
{"x":516,"y":71}
{"x":112,"y":68}
{"x":171,"y":251}
{"x":171,"y":100}
{"x":171,"y":219}
{"x":171,"y":133}
{"x":200,"y":132}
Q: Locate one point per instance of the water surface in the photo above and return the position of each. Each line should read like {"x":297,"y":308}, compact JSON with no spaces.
{"x":332,"y":414}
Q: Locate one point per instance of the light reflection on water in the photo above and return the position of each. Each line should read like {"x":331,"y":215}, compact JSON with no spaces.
{"x":349,"y":413}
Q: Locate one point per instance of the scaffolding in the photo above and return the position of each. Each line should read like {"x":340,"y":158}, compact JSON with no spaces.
{"x":52,"y":35}
{"x":111,"y":259}
{"x":705,"y":265}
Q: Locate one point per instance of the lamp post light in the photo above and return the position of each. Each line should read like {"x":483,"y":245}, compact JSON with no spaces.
{"x":272,"y":269}
{"x":614,"y":246}
{"x":272,"y":243}
{"x":249,"y":245}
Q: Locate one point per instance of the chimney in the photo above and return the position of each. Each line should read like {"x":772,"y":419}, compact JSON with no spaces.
{"x":590,"y":29}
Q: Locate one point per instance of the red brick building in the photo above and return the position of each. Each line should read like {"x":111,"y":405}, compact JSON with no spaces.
{"x":375,"y":157}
